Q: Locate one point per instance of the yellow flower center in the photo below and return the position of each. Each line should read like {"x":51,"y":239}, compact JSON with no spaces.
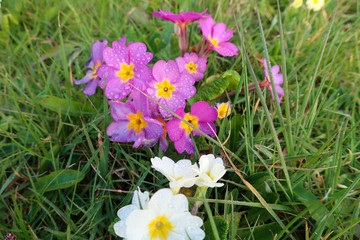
{"x":160,"y":228}
{"x":268,"y":83}
{"x":208,"y":173}
{"x":126,"y":73}
{"x":223,"y":109}
{"x":191,"y":67}
{"x":316,"y":1}
{"x":136,"y":122}
{"x":190,"y":119}
{"x":214,"y":41}
{"x":164,"y":89}
{"x":97,"y":65}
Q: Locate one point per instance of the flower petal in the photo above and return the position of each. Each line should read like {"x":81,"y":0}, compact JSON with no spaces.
{"x":116,"y":89}
{"x":185,"y":86}
{"x":174,"y":103}
{"x":138,"y":55}
{"x":119,"y":132}
{"x":90,"y":88}
{"x":185,"y":144}
{"x":204,"y":127}
{"x":87,"y":78}
{"x":120,"y":110}
{"x":206,"y":26}
{"x":227,"y":49}
{"x":154,"y":129}
{"x":97,"y":49}
{"x":175,"y":132}
{"x":204,"y":112}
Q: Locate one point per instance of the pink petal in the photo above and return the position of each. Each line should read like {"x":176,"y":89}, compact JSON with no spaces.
{"x":158,"y":70}
{"x":204,"y":127}
{"x":90,"y":88}
{"x":175,"y":132}
{"x":202,"y":64}
{"x":163,"y":144}
{"x":142,"y":77}
{"x":116,"y":89}
{"x":279,"y":90}
{"x":221,"y":34}
{"x":181,"y":64}
{"x":185,"y":86}
{"x":97,"y":50}
{"x":204,"y":112}
{"x":116,"y":55}
{"x":172,"y":73}
{"x":174,"y":103}
{"x":138,"y":138}
{"x":139,"y":102}
{"x":206,"y":26}
{"x":120,"y":110}
{"x":138,"y":54}
{"x":154,"y":129}
{"x":227,"y":49}
{"x":191,"y":57}
{"x":106,"y":73}
{"x":122,"y":42}
{"x":185,"y":144}
{"x":87,"y":78}
{"x":118,"y":131}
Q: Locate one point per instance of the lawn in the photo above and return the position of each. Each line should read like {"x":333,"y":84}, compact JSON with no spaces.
{"x":292,"y":167}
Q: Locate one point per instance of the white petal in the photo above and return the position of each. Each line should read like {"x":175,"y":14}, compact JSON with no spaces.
{"x":120,"y":229}
{"x":217,"y":171}
{"x":164,"y":165}
{"x":124,"y":212}
{"x":140,"y":199}
{"x":204,"y":163}
{"x":137,"y":224}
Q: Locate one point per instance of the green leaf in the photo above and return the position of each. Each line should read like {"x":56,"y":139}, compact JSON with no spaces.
{"x":237,"y":121}
{"x":59,"y":180}
{"x":201,"y":143}
{"x":57,"y":50}
{"x":316,"y":208}
{"x":210,"y":89}
{"x":263,"y":232}
{"x":64,"y":105}
{"x":221,"y":225}
{"x":233,"y":79}
{"x":131,"y":34}
{"x":111,"y":227}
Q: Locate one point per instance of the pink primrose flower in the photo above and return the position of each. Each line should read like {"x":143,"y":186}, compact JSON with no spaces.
{"x":193,"y":65}
{"x":170,"y":87}
{"x":126,"y":66}
{"x":277,"y":77}
{"x":181,"y":20}
{"x":218,"y":37}
{"x":201,"y":116}
{"x":92,"y":77}
{"x":132,"y":121}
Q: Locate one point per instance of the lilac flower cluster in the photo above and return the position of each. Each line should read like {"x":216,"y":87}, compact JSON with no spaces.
{"x":142,"y":98}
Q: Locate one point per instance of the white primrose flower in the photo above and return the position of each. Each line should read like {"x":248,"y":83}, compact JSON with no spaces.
{"x":297,"y":3}
{"x":315,"y":5}
{"x":165,"y":218}
{"x":210,"y":171}
{"x":180,"y":174}
{"x":139,"y":201}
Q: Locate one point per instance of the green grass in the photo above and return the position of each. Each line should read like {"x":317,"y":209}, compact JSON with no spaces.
{"x":299,"y":159}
